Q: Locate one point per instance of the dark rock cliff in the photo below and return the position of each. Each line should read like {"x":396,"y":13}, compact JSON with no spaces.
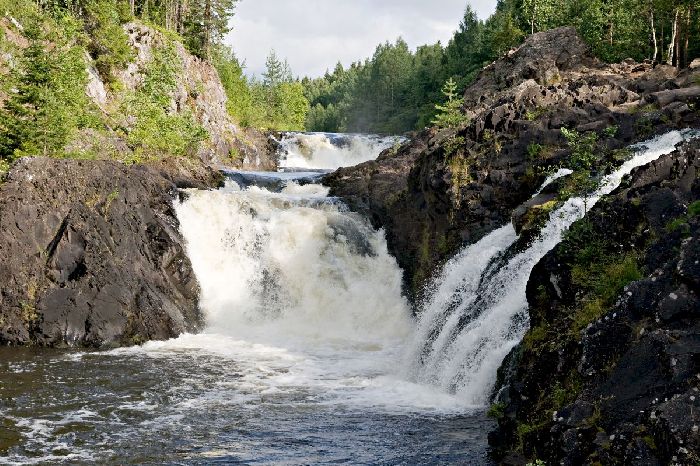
{"x":609,"y":372}
{"x":90,"y":253}
{"x":448,"y":188}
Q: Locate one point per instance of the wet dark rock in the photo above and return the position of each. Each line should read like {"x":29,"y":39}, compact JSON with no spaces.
{"x":90,"y":253}
{"x":616,"y":380}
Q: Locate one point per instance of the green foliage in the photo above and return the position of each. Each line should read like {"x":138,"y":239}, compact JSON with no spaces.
{"x":158,"y":131}
{"x":496,"y":410}
{"x":108,"y":42}
{"x":239,"y":101}
{"x":582,"y":148}
{"x":449,"y":114}
{"x":47,"y":103}
{"x":682,"y":223}
{"x":534,"y":150}
{"x":611,"y":131}
{"x":275,"y":103}
{"x":599,"y":273}
{"x":534,"y":114}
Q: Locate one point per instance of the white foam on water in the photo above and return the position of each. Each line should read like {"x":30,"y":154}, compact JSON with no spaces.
{"x":331,"y":151}
{"x":302,"y":297}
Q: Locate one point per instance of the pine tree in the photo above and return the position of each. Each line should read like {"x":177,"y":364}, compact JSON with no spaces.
{"x":450,"y":114}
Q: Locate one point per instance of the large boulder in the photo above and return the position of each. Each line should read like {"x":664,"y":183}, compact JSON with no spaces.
{"x":90,"y":254}
{"x":445,"y":189}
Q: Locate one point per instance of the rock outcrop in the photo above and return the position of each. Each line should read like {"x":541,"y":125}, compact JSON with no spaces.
{"x":199,"y":90}
{"x":448,"y":188}
{"x":609,"y":372}
{"x":90,"y":253}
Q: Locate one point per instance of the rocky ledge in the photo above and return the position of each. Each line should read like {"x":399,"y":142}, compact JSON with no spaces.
{"x":609,"y":372}
{"x":448,"y":188}
{"x":90,"y":253}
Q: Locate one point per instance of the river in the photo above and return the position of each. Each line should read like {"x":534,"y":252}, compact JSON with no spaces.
{"x":311,"y":355}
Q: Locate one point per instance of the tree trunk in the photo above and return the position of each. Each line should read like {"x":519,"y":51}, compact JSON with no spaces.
{"x":207,"y":28}
{"x":672,"y":44}
{"x":687,"y":37}
{"x":653,"y":34}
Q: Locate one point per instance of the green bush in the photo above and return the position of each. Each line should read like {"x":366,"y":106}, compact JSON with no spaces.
{"x":158,"y":132}
{"x":582,"y":149}
{"x":108,"y":45}
{"x":47,"y":104}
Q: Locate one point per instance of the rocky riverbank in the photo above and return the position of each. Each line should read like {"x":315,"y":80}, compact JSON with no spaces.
{"x":608,"y":372}
{"x":90,"y":253}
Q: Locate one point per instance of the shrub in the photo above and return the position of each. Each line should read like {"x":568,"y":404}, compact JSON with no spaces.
{"x":109,"y":45}
{"x":157,"y":132}
{"x":582,"y":149}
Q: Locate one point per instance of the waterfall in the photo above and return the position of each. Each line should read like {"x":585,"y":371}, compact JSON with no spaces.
{"x":477,"y":310}
{"x":292,"y":263}
{"x":330,"y":151}
{"x":301,"y":295}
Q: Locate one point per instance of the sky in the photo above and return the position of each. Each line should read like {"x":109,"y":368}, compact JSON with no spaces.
{"x":313,"y":35}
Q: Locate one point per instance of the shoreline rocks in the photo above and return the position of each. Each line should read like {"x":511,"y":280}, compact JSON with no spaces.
{"x":90,"y":253}
{"x":608,"y":372}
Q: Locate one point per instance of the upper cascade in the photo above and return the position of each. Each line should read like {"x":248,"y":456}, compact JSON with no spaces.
{"x":329,"y":151}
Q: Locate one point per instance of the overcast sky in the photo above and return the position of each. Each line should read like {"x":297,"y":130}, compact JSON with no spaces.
{"x":314,"y":34}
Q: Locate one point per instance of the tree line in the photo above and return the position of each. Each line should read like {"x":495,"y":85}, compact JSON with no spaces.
{"x":396,"y":89}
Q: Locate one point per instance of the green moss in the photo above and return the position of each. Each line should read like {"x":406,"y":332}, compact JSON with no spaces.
{"x":643,"y":127}
{"x":496,"y":411}
{"x":534,"y":114}
{"x":682,"y":223}
{"x":603,"y":280}
{"x":453,"y":145}
{"x":460,"y":174}
{"x":534,"y":150}
{"x":649,"y":441}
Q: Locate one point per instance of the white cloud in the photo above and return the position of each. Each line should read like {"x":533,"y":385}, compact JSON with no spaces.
{"x":315,"y":34}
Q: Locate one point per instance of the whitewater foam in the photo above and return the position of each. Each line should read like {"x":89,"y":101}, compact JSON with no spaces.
{"x":330,"y":150}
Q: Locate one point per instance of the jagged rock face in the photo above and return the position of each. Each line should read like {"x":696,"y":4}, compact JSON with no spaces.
{"x":198,"y":90}
{"x":90,"y":254}
{"x":624,"y":389}
{"x":448,"y":188}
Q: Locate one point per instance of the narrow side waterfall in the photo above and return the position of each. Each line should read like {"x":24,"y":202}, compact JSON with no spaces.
{"x":330,"y":151}
{"x":477,"y":311}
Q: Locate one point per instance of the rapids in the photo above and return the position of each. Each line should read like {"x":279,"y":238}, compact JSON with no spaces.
{"x":310,"y":353}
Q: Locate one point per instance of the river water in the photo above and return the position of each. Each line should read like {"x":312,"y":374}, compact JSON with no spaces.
{"x":303,"y":361}
{"x":311,"y":354}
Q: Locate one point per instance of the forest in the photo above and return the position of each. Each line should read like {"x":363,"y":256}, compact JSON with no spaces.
{"x":396,"y":90}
